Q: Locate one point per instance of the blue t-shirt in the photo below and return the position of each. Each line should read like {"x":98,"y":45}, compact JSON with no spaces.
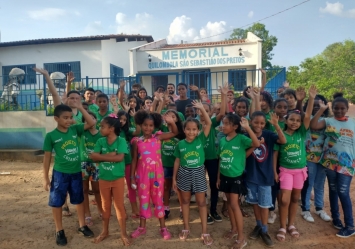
{"x":259,"y":165}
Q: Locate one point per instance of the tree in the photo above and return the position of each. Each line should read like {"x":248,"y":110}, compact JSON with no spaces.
{"x":269,"y":41}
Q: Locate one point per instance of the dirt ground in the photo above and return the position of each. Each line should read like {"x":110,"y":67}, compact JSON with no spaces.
{"x":26,"y":221}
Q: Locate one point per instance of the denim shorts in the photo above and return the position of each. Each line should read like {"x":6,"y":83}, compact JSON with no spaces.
{"x":90,"y":171}
{"x":168,"y":172}
{"x":63,"y":183}
{"x":260,"y":195}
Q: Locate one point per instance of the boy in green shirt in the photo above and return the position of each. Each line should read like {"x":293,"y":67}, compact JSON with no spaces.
{"x":89,"y":96}
{"x":66,"y":176}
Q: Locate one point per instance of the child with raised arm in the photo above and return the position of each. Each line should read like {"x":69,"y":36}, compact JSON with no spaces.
{"x":232,"y":154}
{"x":109,"y":151}
{"x":292,"y":161}
{"x":147,"y":174}
{"x":189,"y":171}
{"x":66,"y":176}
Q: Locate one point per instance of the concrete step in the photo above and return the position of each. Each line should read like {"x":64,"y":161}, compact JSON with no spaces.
{"x":23,"y":155}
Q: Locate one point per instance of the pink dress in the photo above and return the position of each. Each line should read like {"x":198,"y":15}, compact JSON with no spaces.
{"x":150,"y":176}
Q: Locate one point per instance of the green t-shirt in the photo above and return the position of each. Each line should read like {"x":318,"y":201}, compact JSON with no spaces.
{"x":87,"y":145}
{"x":66,"y":148}
{"x":128,"y":156}
{"x":232,"y":155}
{"x":93,"y":108}
{"x":272,"y":128}
{"x":292,"y":155}
{"x":78,"y":117}
{"x":99,"y":118}
{"x":268,"y":126}
{"x":210,"y":145}
{"x":110,"y":171}
{"x":168,"y":149}
{"x":191,"y":154}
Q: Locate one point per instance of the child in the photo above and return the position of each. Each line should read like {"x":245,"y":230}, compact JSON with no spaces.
{"x":316,"y":171}
{"x":189,"y":171}
{"x":147,"y":103}
{"x":241,"y":107}
{"x":102,"y":102}
{"x":293,"y":171}
{"x":259,"y":172}
{"x":338,"y":159}
{"x":109,"y":151}
{"x":148,"y":170}
{"x":190,"y":111}
{"x":89,"y":170}
{"x":232,"y":153}
{"x":142,"y":94}
{"x":168,"y":159}
{"x":89,"y":96}
{"x":266,"y":103}
{"x":204,"y":96}
{"x":230,"y":100}
{"x":290,"y":95}
{"x":66,"y":175}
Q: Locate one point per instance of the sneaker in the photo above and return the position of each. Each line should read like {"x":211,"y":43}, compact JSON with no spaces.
{"x":346,"y":232}
{"x":216,"y":217}
{"x":167,"y":213}
{"x":272,"y":217}
{"x":307,"y":216}
{"x":193,"y":199}
{"x":60,"y":238}
{"x":337,"y":224}
{"x":267,"y":239}
{"x":86,"y":231}
{"x":255,"y":233}
{"x":210,"y":220}
{"x":138,"y":232}
{"x":323,"y":215}
{"x":165,"y":233}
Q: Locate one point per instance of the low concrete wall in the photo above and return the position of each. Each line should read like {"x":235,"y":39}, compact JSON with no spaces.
{"x":24,"y":129}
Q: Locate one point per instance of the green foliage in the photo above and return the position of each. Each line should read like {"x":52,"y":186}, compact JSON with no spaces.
{"x":331,"y":71}
{"x":269,"y":41}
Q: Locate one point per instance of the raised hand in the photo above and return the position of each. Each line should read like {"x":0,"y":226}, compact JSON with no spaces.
{"x":132,"y":112}
{"x":193,"y":88}
{"x":168,"y":118}
{"x":286,"y":84}
{"x":312,"y":92}
{"x":322,"y":105}
{"x":274,"y":120}
{"x":126,"y":106}
{"x":40,"y":70}
{"x":244,"y":123}
{"x":262,"y":71}
{"x":70,"y":77}
{"x":113,"y":99}
{"x":250,"y":93}
{"x":197,"y":104}
{"x":257,"y":92}
{"x":300,"y":94}
{"x":224,"y":89}
{"x":122,"y":84}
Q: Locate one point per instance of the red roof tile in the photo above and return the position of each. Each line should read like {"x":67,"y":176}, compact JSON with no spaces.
{"x":203,"y":44}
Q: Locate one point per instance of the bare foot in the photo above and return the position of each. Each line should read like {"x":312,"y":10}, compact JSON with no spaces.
{"x":126,"y":241}
{"x":100,"y":238}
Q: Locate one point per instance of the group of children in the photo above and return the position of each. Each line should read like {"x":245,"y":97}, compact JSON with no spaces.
{"x":250,"y":146}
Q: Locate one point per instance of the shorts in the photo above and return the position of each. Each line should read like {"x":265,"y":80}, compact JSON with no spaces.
{"x":292,"y":178}
{"x":192,"y":179}
{"x":260,"y":195}
{"x":90,"y":171}
{"x":168,"y":172}
{"x":232,"y":185}
{"x":63,"y":183}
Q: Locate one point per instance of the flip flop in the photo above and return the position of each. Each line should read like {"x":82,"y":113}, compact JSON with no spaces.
{"x":66,"y":211}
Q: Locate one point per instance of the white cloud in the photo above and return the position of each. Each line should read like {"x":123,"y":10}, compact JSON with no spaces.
{"x":251,"y":14}
{"x":181,"y":28}
{"x":142,"y":23}
{"x":94,"y":28}
{"x":337,"y":9}
{"x":47,"y":14}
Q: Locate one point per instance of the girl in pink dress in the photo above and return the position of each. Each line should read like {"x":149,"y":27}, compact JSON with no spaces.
{"x":147,"y":172}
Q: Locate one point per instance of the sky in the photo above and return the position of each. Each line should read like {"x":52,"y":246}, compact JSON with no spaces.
{"x":302,"y":32}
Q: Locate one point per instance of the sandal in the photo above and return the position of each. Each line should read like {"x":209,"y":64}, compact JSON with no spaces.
{"x":230,"y":234}
{"x":239,"y":244}
{"x":244,"y":213}
{"x":126,"y":241}
{"x":184,"y":234}
{"x":88,"y":221}
{"x":292,"y":230}
{"x":207,"y":240}
{"x":135,"y":216}
{"x":66,"y":211}
{"x":281,"y":235}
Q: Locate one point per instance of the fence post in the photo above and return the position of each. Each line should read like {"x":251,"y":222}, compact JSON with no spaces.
{"x":86,"y":82}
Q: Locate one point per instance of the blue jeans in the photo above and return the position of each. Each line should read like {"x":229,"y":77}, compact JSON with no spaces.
{"x":339,"y":188}
{"x":316,"y":180}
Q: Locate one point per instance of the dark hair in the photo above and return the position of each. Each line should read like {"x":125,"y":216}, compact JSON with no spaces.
{"x":142,"y":89}
{"x":318,"y":97}
{"x":181,"y":84}
{"x":235,"y":120}
{"x":179,"y":125}
{"x":138,"y":101}
{"x":288,"y":91}
{"x":102,"y":95}
{"x":171,"y":105}
{"x":193,"y":120}
{"x":241,"y":99}
{"x":267,"y":97}
{"x":146,"y":98}
{"x":171,"y":84}
{"x":126,"y":126}
{"x":189,"y":105}
{"x":136,"y":85}
{"x":209,"y":105}
{"x":289,"y":114}
{"x":85,"y":103}
{"x":98,"y":91}
{"x":160,"y":86}
{"x":278,"y":101}
{"x":338,"y":97}
{"x":59,"y":109}
{"x":245,"y":92}
{"x":90,"y":89}
{"x":133,"y":92}
{"x":257,"y":114}
{"x":90,"y":113}
{"x":113,"y":122}
{"x":73,"y":91}
{"x":142,"y":115}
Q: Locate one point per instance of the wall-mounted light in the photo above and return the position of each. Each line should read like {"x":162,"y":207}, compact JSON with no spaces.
{"x":240,"y":52}
{"x":149,"y":58}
